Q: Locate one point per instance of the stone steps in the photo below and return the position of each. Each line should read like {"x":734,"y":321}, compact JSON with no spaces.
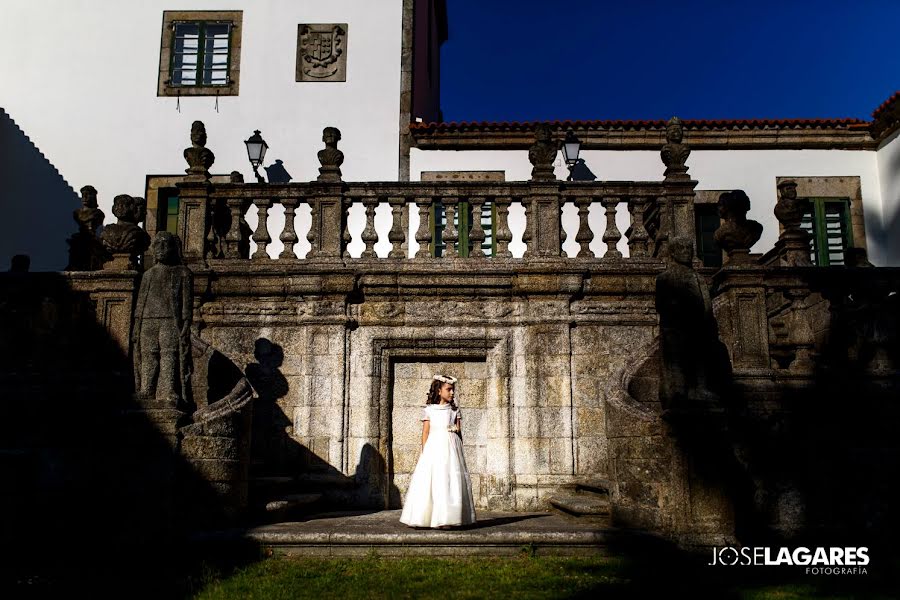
{"x":583,"y":498}
{"x":281,"y":497}
{"x":581,"y":504}
{"x":281,"y":507}
{"x":360,"y":533}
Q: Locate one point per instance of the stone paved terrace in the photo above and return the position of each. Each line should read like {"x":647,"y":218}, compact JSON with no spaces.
{"x":495,"y":533}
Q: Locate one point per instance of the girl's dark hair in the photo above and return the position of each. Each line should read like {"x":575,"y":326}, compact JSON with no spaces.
{"x":434,"y":397}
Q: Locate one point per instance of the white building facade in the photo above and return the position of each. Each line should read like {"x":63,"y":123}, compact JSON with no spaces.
{"x":107,"y":91}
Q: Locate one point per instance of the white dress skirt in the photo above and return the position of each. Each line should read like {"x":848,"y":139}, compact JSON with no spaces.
{"x":440,"y":489}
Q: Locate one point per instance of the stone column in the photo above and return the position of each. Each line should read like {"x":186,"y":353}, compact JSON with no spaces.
{"x":740,"y":310}
{"x":326,"y":232}
{"x":193,"y":219}
{"x":544,"y":221}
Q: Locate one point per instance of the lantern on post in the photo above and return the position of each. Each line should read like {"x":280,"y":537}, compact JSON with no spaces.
{"x":256,"y":152}
{"x":571,"y":146}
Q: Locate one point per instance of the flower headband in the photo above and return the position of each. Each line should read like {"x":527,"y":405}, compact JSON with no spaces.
{"x":445,"y":378}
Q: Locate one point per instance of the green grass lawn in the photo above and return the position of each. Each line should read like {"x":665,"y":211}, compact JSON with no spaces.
{"x":524,"y":576}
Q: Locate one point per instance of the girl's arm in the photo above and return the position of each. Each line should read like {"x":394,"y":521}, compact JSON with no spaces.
{"x":458,"y":427}
{"x":426,"y":427}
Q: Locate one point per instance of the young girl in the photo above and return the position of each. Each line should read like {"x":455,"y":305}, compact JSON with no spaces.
{"x":440,"y":490}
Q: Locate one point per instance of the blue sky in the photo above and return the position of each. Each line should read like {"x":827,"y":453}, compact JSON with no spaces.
{"x":509,"y":60}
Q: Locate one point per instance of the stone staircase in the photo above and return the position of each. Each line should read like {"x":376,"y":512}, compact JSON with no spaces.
{"x":276,"y":498}
{"x":9,"y":129}
{"x":587,"y":498}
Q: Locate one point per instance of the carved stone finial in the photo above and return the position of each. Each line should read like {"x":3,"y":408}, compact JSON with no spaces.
{"x":124,"y":239}
{"x":793,"y":241}
{"x":330,"y":157}
{"x":198,"y":156}
{"x":736,"y":234}
{"x":675,"y":153}
{"x":161,"y":339}
{"x":542,"y":153}
{"x":85,"y":251}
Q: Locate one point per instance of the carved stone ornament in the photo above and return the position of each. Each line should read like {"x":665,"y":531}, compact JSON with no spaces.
{"x":85,"y":250}
{"x":161,"y":339}
{"x":674,"y":153}
{"x":198,"y":156}
{"x":542,"y":153}
{"x":322,"y":52}
{"x":124,"y":240}
{"x":794,"y":240}
{"x":330,"y":157}
{"x":736,"y":234}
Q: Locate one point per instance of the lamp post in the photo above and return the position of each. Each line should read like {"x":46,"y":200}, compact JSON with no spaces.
{"x":256,"y":152}
{"x":571,"y":146}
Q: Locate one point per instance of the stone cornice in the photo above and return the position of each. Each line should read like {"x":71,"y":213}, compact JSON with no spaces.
{"x":834,"y":134}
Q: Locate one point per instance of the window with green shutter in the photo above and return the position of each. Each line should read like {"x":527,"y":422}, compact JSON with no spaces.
{"x":168,"y":210}
{"x":828,"y":223}
{"x":462,"y":220}
{"x":201,"y":53}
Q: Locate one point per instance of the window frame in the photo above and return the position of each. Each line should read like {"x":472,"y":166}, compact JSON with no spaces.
{"x":846,"y":188}
{"x":165,"y":86}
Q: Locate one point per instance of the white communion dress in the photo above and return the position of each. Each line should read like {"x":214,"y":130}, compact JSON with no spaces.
{"x":440,"y":489}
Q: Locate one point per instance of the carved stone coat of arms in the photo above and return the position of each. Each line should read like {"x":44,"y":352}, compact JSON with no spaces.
{"x":322,"y":52}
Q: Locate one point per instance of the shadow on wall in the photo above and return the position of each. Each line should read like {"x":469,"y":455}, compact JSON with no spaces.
{"x":37,"y":202}
{"x":280,"y":452}
{"x":85,"y":467}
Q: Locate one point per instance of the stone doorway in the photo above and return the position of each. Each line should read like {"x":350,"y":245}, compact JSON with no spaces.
{"x":409,"y":384}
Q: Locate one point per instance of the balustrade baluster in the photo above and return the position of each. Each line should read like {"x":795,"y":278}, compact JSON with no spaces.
{"x":397,"y":235}
{"x":638,"y":240}
{"x":450,"y":235}
{"x":503,"y":233}
{"x":423,"y":234}
{"x":289,"y":235}
{"x":476,"y":231}
{"x":233,"y":237}
{"x":261,"y":235}
{"x":585,"y":236}
{"x":611,"y":236}
{"x":526,"y":235}
{"x":369,"y":235}
{"x":346,"y":204}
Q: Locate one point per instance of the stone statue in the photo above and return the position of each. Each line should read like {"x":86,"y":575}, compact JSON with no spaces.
{"x":789,"y":211}
{"x":330,"y":157}
{"x":542,"y":153}
{"x":198,"y":156}
{"x":161,"y":339}
{"x":85,"y":251}
{"x":736,"y":234}
{"x":124,"y":239}
{"x":674,"y":153}
{"x":687,"y":328}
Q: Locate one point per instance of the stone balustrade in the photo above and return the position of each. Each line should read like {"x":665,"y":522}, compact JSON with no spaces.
{"x":212,"y":215}
{"x":329,"y":234}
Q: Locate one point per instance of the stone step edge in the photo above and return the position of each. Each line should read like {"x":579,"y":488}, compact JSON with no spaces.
{"x":581,"y":504}
{"x":416,"y":538}
{"x":290,"y":501}
{"x":597,"y":486}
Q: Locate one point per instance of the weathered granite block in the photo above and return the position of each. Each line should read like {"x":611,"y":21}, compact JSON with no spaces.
{"x":592,"y":456}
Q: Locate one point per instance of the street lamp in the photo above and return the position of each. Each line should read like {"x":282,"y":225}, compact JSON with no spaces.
{"x":256,"y":151}
{"x":570,"y":148}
